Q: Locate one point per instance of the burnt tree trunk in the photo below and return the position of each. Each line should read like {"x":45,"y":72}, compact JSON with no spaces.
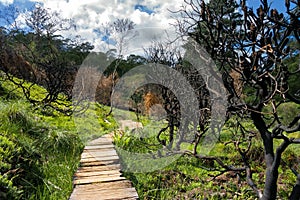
{"x":296,"y":190}
{"x":270,"y":189}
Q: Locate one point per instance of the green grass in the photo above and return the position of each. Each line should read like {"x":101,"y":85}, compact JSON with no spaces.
{"x":94,"y":122}
{"x":40,"y":148}
{"x":41,"y":153}
{"x":190,"y":178}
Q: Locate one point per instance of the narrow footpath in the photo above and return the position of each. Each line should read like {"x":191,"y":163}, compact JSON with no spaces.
{"x":99,"y":175}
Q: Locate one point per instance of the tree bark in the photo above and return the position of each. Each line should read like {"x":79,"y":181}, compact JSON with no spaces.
{"x":296,"y":190}
{"x":270,"y":189}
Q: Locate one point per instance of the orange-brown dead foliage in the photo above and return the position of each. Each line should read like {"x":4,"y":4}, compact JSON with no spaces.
{"x":237,"y":82}
{"x":150,"y":99}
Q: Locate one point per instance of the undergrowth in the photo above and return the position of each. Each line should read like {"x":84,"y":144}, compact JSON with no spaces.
{"x":191,"y":178}
{"x":40,"y":148}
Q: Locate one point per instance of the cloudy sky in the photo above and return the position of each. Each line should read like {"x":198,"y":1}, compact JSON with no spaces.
{"x":152,"y":17}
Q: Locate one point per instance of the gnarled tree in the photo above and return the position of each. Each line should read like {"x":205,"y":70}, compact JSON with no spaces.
{"x":36,"y":54}
{"x":249,"y":46}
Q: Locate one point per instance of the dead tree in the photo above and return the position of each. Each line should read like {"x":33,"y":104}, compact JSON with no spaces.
{"x":177,"y":128}
{"x":253,"y":44}
{"x":38,"y":56}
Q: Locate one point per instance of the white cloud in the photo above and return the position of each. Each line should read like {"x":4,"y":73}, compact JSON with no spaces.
{"x":7,"y":2}
{"x":92,"y":14}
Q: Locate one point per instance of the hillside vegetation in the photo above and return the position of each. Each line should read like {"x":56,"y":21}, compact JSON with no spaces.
{"x":40,"y":148}
{"x":192,"y":178}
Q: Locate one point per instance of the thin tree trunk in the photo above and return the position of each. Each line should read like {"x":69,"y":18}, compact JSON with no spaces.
{"x":270,"y":189}
{"x":296,"y":190}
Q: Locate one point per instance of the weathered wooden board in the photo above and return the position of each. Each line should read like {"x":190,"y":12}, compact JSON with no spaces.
{"x":99,"y":175}
{"x":98,"y":179}
{"x":122,"y":193}
{"x":100,"y":141}
{"x":99,"y":154}
{"x":99,"y":150}
{"x":99,"y":163}
{"x":105,"y":185}
{"x":99,"y":168}
{"x":104,"y":158}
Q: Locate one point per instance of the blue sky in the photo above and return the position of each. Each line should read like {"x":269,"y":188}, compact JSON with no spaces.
{"x":27,"y":4}
{"x":19,"y":4}
{"x":144,"y":8}
{"x":151,"y":17}
{"x":278,"y":4}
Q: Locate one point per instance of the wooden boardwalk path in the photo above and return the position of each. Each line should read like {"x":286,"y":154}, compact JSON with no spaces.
{"x":99,"y":176}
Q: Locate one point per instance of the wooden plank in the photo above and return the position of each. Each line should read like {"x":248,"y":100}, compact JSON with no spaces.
{"x":99,"y":168}
{"x":98,"y":198}
{"x":99,"y":176}
{"x":99,"y":154}
{"x":105,"y":185}
{"x":99,"y":163}
{"x":99,"y":147}
{"x":106,"y":196}
{"x":97,"y":150}
{"x":98,"y":179}
{"x":122,"y":193}
{"x":110,"y":194}
{"x":102,"y":158}
{"x":99,"y":143}
{"x":87,"y":174}
{"x":101,"y":140}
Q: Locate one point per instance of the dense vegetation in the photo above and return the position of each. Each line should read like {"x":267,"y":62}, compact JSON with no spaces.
{"x":40,"y":148}
{"x":192,"y":178}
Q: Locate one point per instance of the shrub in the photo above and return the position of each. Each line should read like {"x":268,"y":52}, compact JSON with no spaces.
{"x":288,"y":111}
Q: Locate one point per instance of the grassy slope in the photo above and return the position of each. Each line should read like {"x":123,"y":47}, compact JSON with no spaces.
{"x":40,"y":148}
{"x":188,"y":178}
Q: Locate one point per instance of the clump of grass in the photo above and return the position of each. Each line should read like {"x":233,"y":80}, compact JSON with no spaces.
{"x":20,"y":159}
{"x":34,"y":153}
{"x":94,"y":122}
